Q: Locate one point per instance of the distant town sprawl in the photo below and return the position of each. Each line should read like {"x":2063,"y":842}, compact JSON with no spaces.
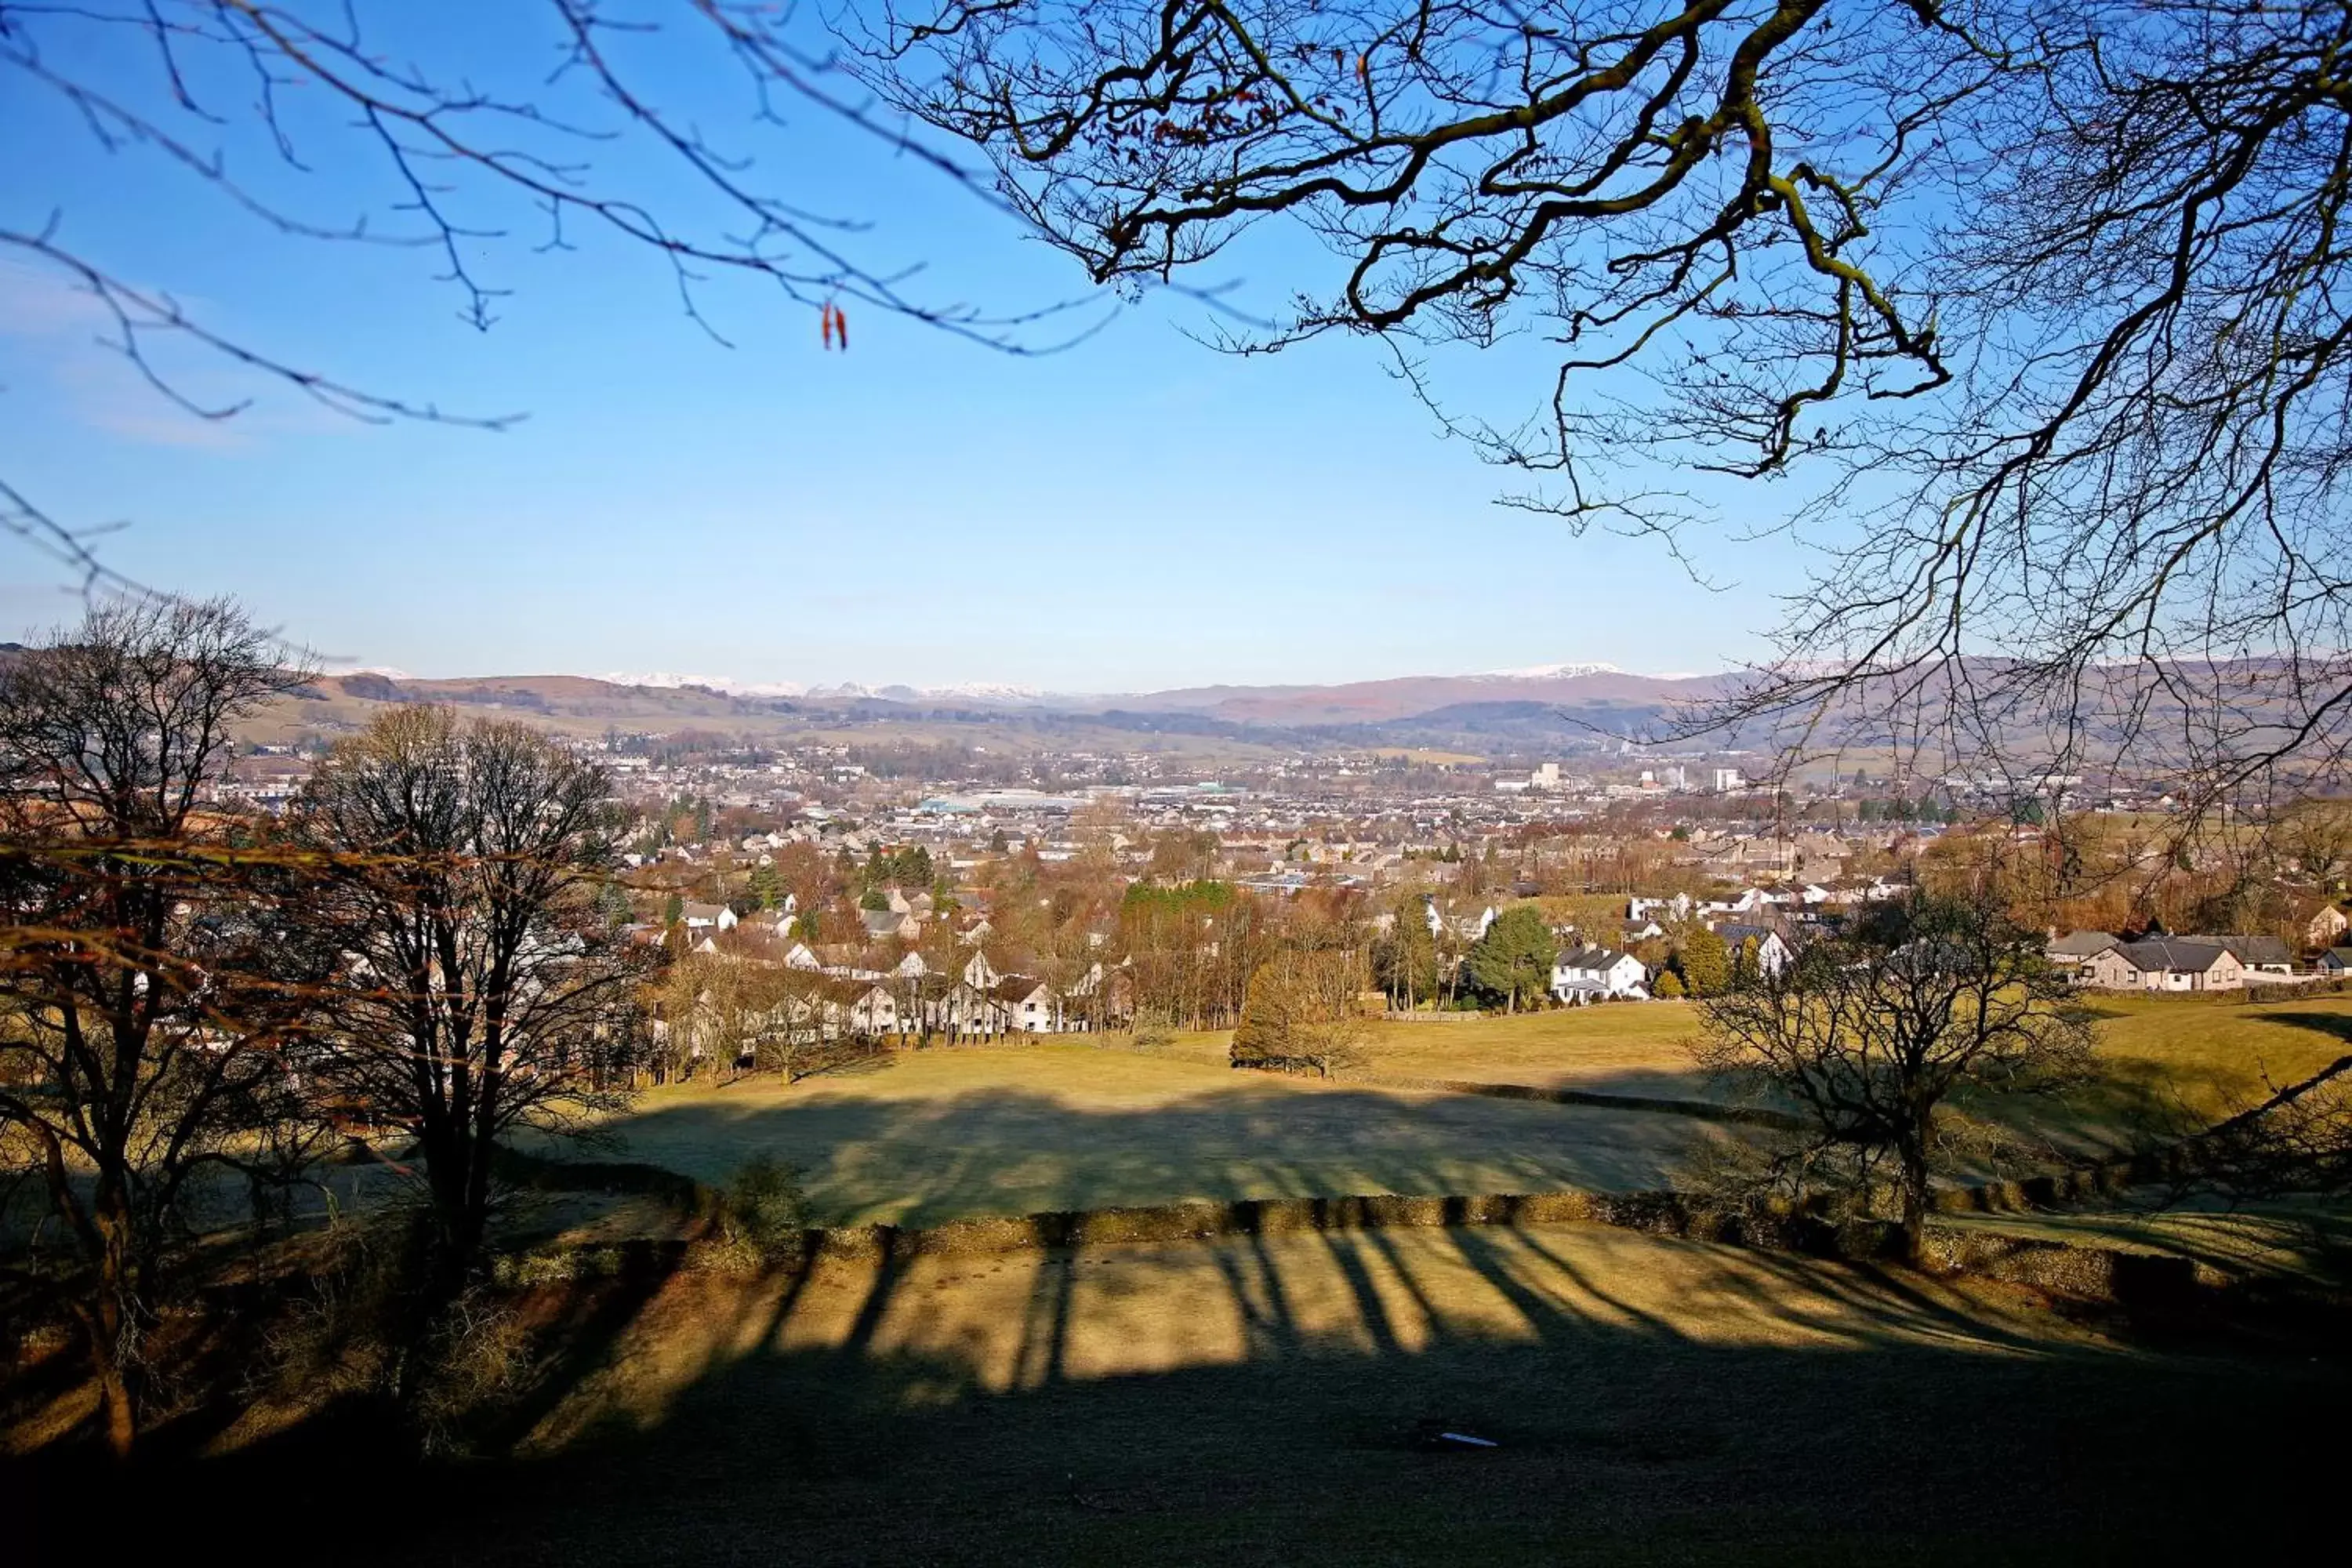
{"x":950,"y":887}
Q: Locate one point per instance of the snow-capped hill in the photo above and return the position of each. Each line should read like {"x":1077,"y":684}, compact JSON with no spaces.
{"x":845,"y":691}
{"x":1548,"y":672}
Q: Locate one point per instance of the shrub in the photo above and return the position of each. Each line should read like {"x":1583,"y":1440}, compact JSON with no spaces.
{"x":763,"y":1212}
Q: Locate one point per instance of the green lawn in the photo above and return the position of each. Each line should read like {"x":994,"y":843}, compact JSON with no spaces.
{"x":935,"y":1134}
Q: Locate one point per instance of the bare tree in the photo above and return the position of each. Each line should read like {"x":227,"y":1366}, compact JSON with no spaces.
{"x":337,"y":121}
{"x":149,"y":972}
{"x":1300,"y":1012}
{"x":2031,"y":312}
{"x":481,"y":997}
{"x":1871,"y":1034}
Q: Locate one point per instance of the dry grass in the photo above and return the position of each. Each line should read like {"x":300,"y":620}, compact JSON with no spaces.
{"x":1013,"y":1130}
{"x":1253,"y":1400}
{"x":1625,"y":1047}
{"x":938,"y":1134}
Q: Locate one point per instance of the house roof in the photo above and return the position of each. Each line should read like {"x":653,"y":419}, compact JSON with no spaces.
{"x":2085,"y":943}
{"x":2250,"y":949}
{"x":1592,"y":958}
{"x":849,"y":992}
{"x":2174,"y":954}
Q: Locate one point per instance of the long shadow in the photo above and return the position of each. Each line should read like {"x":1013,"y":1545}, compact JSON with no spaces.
{"x":1371,"y":1311}
{"x":1725,"y":1406}
{"x":1013,"y":1150}
{"x":1384,"y":1242}
{"x":1045,"y":1322}
{"x":1821,"y":1417}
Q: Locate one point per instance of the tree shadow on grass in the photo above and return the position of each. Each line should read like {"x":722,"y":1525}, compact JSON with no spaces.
{"x":1012,"y":1150}
{"x":1653,"y":1400}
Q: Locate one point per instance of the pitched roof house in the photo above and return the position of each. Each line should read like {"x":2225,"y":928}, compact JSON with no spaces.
{"x":2081,"y":946}
{"x":1591,"y":973}
{"x":1773,"y":949}
{"x":2266,"y":953}
{"x":2167,"y":963}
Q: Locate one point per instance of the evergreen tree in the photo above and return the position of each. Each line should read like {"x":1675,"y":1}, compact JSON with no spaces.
{"x":674,"y":911}
{"x":1669,"y":987}
{"x":1514,"y":959}
{"x":1706,"y":962}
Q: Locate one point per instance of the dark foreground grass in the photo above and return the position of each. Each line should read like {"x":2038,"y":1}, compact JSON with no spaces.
{"x":1254,"y":1400}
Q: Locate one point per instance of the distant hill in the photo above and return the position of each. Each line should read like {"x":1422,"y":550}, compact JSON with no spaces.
{"x":1378,"y":701}
{"x":1551,"y":710}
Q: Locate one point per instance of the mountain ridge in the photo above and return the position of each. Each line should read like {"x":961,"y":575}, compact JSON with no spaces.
{"x":1283,"y":706}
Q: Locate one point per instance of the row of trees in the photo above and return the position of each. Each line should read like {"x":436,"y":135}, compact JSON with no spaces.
{"x":190,"y":995}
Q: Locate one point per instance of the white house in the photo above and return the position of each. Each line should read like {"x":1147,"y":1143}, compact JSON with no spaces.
{"x":1591,"y":973}
{"x":1031,"y":1007}
{"x":1772,"y":952}
{"x":1466,"y":928}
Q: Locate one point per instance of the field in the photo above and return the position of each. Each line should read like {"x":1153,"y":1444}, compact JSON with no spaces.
{"x":1257,"y":1398}
{"x":1255,"y":1401}
{"x":933,"y":1135}
{"x":2212,"y":1055}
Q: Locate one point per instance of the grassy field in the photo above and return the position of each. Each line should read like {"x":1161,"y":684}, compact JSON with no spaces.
{"x":2209,"y":1057}
{"x":1255,"y":1400}
{"x":1630,"y":1048}
{"x":935,"y":1134}
{"x":932,"y":1135}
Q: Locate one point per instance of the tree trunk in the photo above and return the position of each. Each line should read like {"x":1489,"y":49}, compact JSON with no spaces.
{"x":119,"y":1405}
{"x":1914,"y":1153}
{"x":110,"y":1322}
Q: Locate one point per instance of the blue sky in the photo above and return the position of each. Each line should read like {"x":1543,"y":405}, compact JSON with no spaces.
{"x":1138,"y":511}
